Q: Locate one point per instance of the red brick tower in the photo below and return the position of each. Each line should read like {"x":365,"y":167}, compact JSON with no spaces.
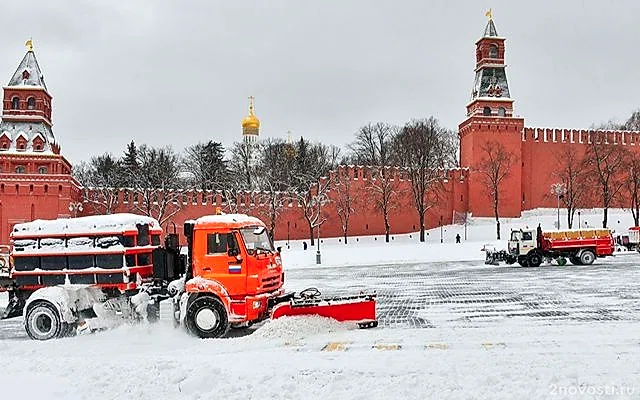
{"x":490,"y":120}
{"x":35,"y":180}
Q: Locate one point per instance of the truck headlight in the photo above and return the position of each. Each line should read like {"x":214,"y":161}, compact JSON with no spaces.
{"x":257,"y":304}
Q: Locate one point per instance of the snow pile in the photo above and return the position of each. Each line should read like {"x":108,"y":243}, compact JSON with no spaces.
{"x":299,"y":327}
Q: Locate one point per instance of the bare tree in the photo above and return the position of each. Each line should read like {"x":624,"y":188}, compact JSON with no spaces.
{"x":425,"y":154}
{"x":384,"y":184}
{"x":493,"y":169}
{"x":243,"y":162}
{"x":157,"y":184}
{"x":276,"y":162}
{"x":312,"y":162}
{"x":606,"y":162}
{"x":102,"y":179}
{"x":632,"y":187}
{"x":311,"y":199}
{"x":574,"y":179}
{"x":344,"y":199}
{"x":373,"y":144}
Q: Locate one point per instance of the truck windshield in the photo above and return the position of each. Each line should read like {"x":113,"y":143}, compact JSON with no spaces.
{"x":256,"y":238}
{"x":515,"y":236}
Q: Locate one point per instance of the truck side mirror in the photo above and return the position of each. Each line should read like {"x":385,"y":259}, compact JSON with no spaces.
{"x":279,"y":249}
{"x":232,"y":252}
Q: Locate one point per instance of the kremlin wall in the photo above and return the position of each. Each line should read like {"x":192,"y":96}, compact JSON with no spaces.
{"x":36,"y":180}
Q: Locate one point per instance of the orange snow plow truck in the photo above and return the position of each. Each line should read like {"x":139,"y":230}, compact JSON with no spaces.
{"x":85,"y":273}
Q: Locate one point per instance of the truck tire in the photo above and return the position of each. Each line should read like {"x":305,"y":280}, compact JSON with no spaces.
{"x":522,"y":260}
{"x":575,"y":260}
{"x":587,"y":257}
{"x":43,"y":321}
{"x":534,"y":259}
{"x":207,"y":318}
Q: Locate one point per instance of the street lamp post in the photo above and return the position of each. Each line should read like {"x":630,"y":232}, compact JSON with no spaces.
{"x":74,"y":207}
{"x":318,"y":257}
{"x":441,"y":238}
{"x":559,"y":190}
{"x":288,"y":230}
{"x":579,"y":226}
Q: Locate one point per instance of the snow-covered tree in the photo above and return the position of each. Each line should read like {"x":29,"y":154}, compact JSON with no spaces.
{"x":102,"y":178}
{"x":158,"y":189}
{"x":205,"y":162}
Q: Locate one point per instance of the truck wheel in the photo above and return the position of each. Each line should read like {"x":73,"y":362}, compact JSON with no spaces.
{"x":522,"y":260}
{"x":207,"y":318}
{"x":587,"y":257}
{"x":534,"y":260}
{"x":43,"y":322}
{"x":575,"y":260}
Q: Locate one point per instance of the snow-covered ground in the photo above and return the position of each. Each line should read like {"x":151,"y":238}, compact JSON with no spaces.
{"x":450,"y":328}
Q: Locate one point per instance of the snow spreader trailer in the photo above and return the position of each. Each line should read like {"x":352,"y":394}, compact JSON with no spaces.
{"x":90,"y":273}
{"x":532,"y":247}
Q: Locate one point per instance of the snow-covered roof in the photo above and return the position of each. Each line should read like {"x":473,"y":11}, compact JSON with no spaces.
{"x":28,"y":130}
{"x":28,"y":73}
{"x":83,"y":225}
{"x":229,"y":219}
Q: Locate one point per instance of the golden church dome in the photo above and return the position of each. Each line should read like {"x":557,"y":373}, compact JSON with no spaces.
{"x":250,"y":123}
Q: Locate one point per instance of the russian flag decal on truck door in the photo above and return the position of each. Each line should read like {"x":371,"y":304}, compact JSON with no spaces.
{"x":235,"y":269}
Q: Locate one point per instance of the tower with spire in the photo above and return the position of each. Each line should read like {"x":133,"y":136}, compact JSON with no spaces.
{"x":35,"y":179}
{"x":250,"y":125}
{"x":490,"y":122}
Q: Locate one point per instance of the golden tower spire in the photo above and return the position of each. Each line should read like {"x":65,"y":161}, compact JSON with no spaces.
{"x":29,"y":44}
{"x":488,"y":14}
{"x":251,"y":123}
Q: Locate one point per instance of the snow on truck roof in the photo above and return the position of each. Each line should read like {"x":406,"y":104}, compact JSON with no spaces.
{"x":82,"y":225}
{"x":227,"y":221}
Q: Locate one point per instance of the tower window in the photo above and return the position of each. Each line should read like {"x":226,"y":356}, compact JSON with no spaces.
{"x":20,"y":169}
{"x":486,"y":111}
{"x":502,"y":112}
{"x":31,"y":103}
{"x":42,"y":170}
{"x":15,"y":103}
{"x":493,"y":51}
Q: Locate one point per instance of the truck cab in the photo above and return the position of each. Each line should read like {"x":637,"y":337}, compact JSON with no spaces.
{"x":521,"y":242}
{"x":234,"y":271}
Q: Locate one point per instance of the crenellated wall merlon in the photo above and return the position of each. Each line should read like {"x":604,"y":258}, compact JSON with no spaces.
{"x":581,"y":136}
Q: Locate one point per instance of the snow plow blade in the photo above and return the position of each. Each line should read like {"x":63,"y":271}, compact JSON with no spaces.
{"x":360,"y":309}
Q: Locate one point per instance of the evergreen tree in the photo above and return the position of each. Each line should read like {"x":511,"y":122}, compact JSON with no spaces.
{"x":130,"y":164}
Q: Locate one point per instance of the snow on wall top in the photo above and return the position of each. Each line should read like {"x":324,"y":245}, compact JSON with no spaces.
{"x":80,"y":225}
{"x":229,"y":219}
{"x":28,"y":73}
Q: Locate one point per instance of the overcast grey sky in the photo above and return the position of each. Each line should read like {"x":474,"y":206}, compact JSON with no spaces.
{"x":178,"y":72}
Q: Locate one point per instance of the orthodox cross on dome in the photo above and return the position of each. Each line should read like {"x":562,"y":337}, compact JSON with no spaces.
{"x":251,"y":98}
